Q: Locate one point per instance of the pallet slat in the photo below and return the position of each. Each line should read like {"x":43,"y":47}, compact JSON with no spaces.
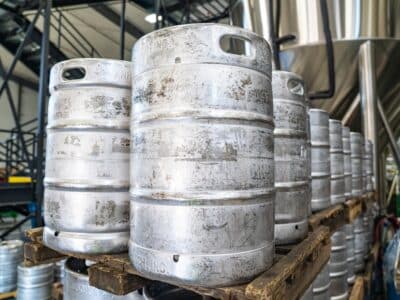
{"x":357,"y":292}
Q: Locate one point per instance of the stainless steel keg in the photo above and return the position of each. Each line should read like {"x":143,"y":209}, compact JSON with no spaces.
{"x":351,"y":260}
{"x":86,"y":201}
{"x":291,"y":165}
{"x":59,"y":271}
{"x":347,"y":162}
{"x":368,"y":166}
{"x":338,"y":266}
{"x":321,"y":285}
{"x":359,"y":244}
{"x":76,"y":285}
{"x":308,"y":294}
{"x":320,"y":160}
{"x":35,"y":282}
{"x":356,"y":162}
{"x":202,"y":168}
{"x":11,"y":254}
{"x":337,"y":162}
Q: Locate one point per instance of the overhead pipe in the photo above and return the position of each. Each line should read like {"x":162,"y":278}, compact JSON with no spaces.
{"x":392,"y":141}
{"x":369,"y":100}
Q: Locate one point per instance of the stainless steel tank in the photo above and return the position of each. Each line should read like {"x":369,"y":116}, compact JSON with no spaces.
{"x":291,"y":165}
{"x":202,"y":168}
{"x":356,"y":162}
{"x":369,"y":168}
{"x":76,"y":285}
{"x":320,"y":160}
{"x":321,"y":285}
{"x":347,"y":162}
{"x":308,"y":131}
{"x":351,"y":260}
{"x":337,"y":162}
{"x":11,"y":254}
{"x":359,"y":244}
{"x":35,"y":282}
{"x":86,"y":200}
{"x":363,"y":166}
{"x":338,"y":266}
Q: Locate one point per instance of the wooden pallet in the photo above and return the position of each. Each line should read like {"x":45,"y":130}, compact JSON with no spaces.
{"x":288,"y":278}
{"x":357,"y":292}
{"x":8,"y":295}
{"x":57,"y":291}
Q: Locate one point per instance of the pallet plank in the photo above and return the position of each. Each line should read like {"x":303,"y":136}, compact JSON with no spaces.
{"x":114,"y":281}
{"x":357,"y":292}
{"x":290,"y":277}
{"x":352,"y":209}
{"x":36,"y":253}
{"x":333,"y":217}
{"x":8,"y":295}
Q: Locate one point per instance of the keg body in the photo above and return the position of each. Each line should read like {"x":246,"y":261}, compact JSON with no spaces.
{"x":351,"y":260}
{"x":321,"y":285}
{"x":338,"y":266}
{"x":291,"y":160}
{"x":320,"y":166}
{"x":337,"y":162}
{"x":356,"y":163}
{"x":11,"y":254}
{"x":86,"y":199}
{"x":35,"y":282}
{"x":347,"y":162}
{"x":359,"y":244}
{"x":202,"y":170}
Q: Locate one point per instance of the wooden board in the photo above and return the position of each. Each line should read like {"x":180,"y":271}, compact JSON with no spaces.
{"x":352,"y":209}
{"x":36,"y":253}
{"x":357,"y":292}
{"x":8,"y":295}
{"x":57,"y":291}
{"x":287,"y":279}
{"x":333,"y":217}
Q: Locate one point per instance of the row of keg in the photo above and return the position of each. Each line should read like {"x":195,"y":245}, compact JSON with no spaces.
{"x":32,"y":282}
{"x":220,"y":162}
{"x":351,"y":245}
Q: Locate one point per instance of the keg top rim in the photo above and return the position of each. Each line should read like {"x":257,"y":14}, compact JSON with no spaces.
{"x":335,"y":121}
{"x":318,"y":110}
{"x":22,"y":266}
{"x":8,"y":244}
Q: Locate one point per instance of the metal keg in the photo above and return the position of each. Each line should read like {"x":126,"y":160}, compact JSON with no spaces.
{"x":308,"y":294}
{"x":338,"y":266}
{"x":59,"y":271}
{"x":76,"y":284}
{"x":291,"y":165}
{"x":202,"y":156}
{"x":359,"y":244}
{"x":320,"y":160}
{"x":35,"y":282}
{"x":356,"y":162}
{"x":351,"y":260}
{"x":337,"y":162}
{"x":11,"y":254}
{"x":321,"y":285}
{"x":86,"y":200}
{"x":347,"y":162}
{"x":368,"y":166}
{"x":308,"y":134}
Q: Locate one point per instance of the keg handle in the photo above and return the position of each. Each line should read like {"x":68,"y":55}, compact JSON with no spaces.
{"x":72,"y":72}
{"x":245,"y":43}
{"x":295,"y":87}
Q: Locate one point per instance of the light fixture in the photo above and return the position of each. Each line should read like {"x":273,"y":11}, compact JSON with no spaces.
{"x":151,"y":18}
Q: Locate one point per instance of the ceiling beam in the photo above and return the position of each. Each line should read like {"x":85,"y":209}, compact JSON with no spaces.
{"x":114,"y":17}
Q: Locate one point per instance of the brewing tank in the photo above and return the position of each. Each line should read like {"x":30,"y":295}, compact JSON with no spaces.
{"x":202,"y":168}
{"x":368,"y":166}
{"x":337,"y":162}
{"x":356,"y":162}
{"x":35,"y":282}
{"x":291,"y":160}
{"x":320,"y":166}
{"x":347,"y":162}
{"x":86,"y":199}
{"x":338,"y":269}
{"x":11,"y":254}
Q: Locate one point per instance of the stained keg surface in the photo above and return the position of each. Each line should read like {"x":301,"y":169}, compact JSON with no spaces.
{"x":320,"y":160}
{"x":292,"y":198}
{"x":202,"y":171}
{"x":86,"y":199}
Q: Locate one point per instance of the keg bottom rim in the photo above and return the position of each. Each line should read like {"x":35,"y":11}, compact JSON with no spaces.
{"x":320,"y":204}
{"x":85,"y":243}
{"x":203,"y":270}
{"x":291,"y":233}
{"x":351,"y":280}
{"x":340,"y":297}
